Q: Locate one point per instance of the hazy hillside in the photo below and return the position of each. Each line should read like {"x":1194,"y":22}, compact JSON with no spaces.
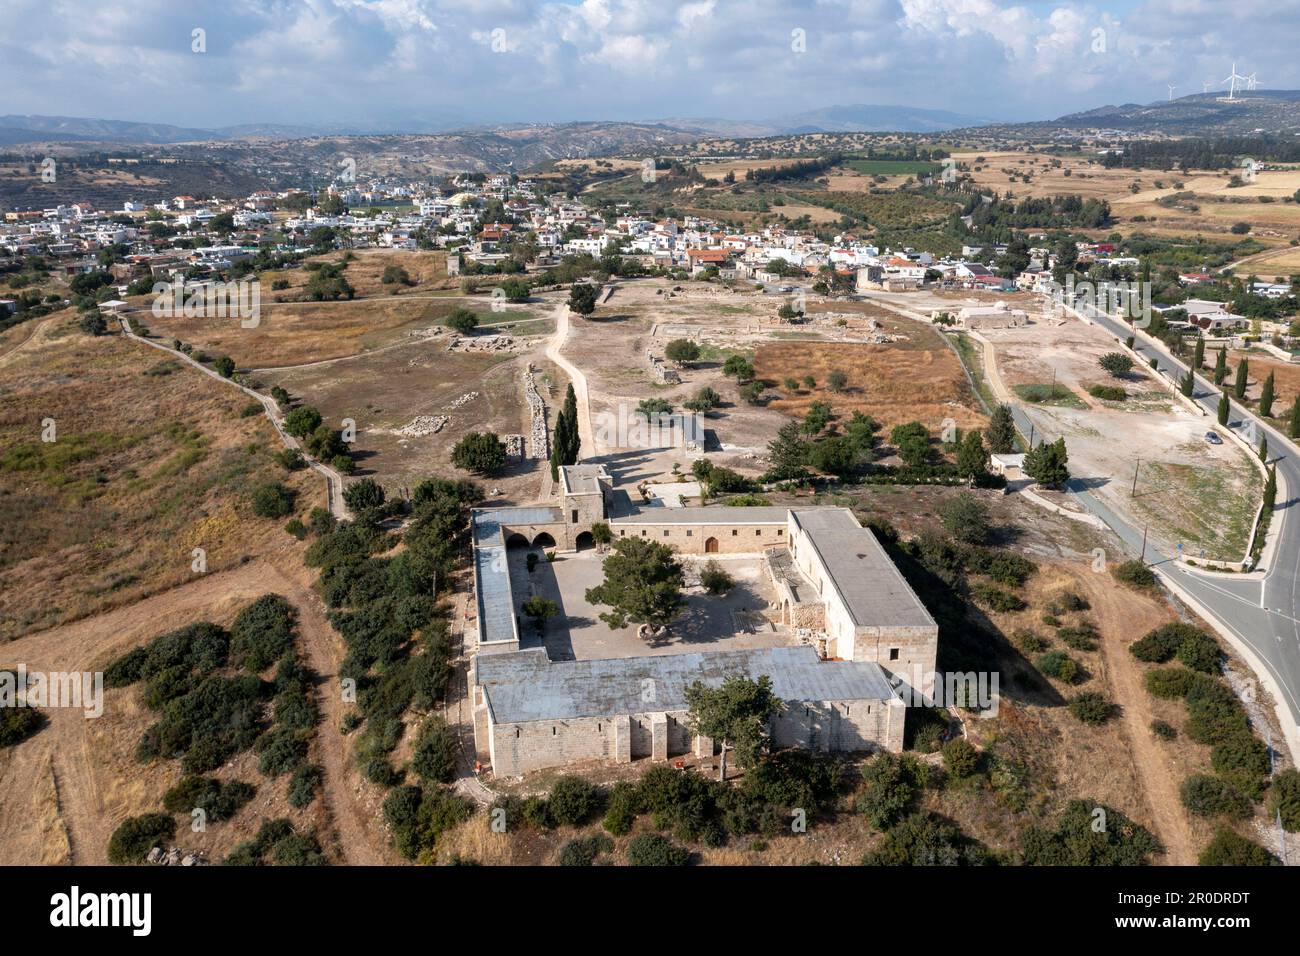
{"x":1201,"y":114}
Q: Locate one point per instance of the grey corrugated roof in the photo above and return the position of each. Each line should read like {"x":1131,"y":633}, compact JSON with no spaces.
{"x":524,"y":685}
{"x":496,"y":603}
{"x":874,"y":590}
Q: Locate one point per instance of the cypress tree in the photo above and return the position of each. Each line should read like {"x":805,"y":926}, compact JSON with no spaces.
{"x":557,"y":445}
{"x":1270,"y":489}
{"x":1293,"y":426}
{"x":1224,"y":408}
{"x":1266,"y":398}
{"x":1188,"y":384}
{"x":1239,"y":386}
{"x":1199,"y":360}
{"x":1263,"y":448}
{"x":1221,"y":366}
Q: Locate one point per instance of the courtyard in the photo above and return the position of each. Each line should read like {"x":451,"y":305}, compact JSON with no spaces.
{"x":737,"y":620}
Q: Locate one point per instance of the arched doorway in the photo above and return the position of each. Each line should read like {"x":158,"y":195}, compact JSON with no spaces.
{"x":544,"y":540}
{"x":516,"y":540}
{"x":584,"y":541}
{"x":710,"y":545}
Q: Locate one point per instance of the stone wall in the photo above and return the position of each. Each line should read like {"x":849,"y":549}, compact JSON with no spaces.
{"x":539,"y":445}
{"x":694,"y":538}
{"x":518,"y":748}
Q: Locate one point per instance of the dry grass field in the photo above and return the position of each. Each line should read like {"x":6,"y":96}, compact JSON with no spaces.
{"x":893,"y":385}
{"x":365,"y":272}
{"x":294,"y":333}
{"x":150,"y":460}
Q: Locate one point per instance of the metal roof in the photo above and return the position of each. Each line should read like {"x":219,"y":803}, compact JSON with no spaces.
{"x":496,"y":602}
{"x":874,"y":591}
{"x":525,"y":685}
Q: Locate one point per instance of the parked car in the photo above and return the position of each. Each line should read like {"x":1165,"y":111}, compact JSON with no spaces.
{"x":1213,"y":438}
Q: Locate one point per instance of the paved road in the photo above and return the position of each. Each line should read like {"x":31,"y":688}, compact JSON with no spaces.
{"x":1264,"y":613}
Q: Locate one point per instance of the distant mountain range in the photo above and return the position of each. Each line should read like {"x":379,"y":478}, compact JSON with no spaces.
{"x":16,"y":129}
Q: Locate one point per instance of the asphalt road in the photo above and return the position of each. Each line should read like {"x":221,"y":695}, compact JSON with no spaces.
{"x":1263,"y":613}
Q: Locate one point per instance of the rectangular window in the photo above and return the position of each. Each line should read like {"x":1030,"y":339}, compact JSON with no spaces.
{"x":780,"y":532}
{"x":689,"y":532}
{"x":574,"y":513}
{"x":758,"y":532}
{"x":622,"y":533}
{"x":893,"y":653}
{"x":665,"y":532}
{"x":734,"y":532}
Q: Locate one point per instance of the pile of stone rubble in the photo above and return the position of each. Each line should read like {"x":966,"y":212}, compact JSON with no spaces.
{"x":174,"y":857}
{"x":539,"y":446}
{"x":422,"y":426}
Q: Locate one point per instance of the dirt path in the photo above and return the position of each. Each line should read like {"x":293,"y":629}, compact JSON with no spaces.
{"x":1151,"y":762}
{"x":65,"y":781}
{"x":586,"y":435}
{"x":33,"y":327}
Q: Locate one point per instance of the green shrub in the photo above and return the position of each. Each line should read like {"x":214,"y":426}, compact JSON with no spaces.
{"x":997,"y":599}
{"x":282,"y":750}
{"x":18,"y":723}
{"x":573,"y":801}
{"x":262,"y":633}
{"x":584,"y":851}
{"x":892,"y":784}
{"x":1077,"y":840}
{"x":1164,"y":730}
{"x":136,"y":836}
{"x":1091,"y":708}
{"x":1242,"y":760}
{"x":926,"y":839}
{"x":305,"y":784}
{"x":1079,"y":637}
{"x":960,"y":759}
{"x":434,"y":759}
{"x":714,"y":579}
{"x":1028,"y":641}
{"x":651,"y":849}
{"x":1058,"y":664}
{"x":621,"y":808}
{"x":220,"y":801}
{"x":1284,"y":799}
{"x":1169,"y":683}
{"x":1135,"y":574}
{"x":272,"y":499}
{"x":1230,"y":849}
{"x":1208,"y":796}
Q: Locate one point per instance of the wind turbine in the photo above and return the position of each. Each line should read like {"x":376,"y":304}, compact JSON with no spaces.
{"x":1205,"y":87}
{"x":1251,"y":82}
{"x":1231,"y":79}
{"x":1171,"y":90}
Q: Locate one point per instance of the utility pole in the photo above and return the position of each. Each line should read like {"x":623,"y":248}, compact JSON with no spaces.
{"x":1136,"y":465}
{"x":1144,"y":544}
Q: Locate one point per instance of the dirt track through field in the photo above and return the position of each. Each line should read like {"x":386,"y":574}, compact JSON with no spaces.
{"x":63,"y":759}
{"x":1114,"y":614}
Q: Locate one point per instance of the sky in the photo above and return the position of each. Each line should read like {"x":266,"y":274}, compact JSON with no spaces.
{"x":392,"y":63}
